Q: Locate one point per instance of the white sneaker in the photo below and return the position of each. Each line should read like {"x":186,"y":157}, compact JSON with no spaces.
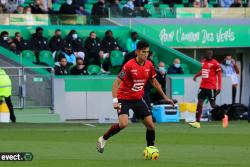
{"x":100,"y":144}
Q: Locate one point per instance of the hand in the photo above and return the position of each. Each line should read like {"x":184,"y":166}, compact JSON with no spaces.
{"x":169,"y":101}
{"x":217,"y":92}
{"x":194,"y":79}
{"x":117,"y":106}
{"x":233,"y":61}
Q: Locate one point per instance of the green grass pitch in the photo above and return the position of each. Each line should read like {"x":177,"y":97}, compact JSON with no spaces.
{"x":66,"y":145}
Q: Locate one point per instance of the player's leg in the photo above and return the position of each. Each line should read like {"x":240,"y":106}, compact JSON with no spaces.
{"x":142,"y":111}
{"x":115,"y":128}
{"x":201,"y":97}
{"x":150,"y":130}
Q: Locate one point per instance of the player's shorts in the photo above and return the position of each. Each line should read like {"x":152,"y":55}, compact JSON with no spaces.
{"x":207,"y":93}
{"x":139,"y":107}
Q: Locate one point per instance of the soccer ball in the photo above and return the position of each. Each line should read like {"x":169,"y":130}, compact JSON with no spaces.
{"x":151,"y":153}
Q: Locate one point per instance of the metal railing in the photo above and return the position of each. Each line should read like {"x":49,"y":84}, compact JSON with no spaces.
{"x":31,"y":89}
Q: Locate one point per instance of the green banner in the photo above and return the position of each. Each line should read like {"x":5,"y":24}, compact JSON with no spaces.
{"x":198,"y":35}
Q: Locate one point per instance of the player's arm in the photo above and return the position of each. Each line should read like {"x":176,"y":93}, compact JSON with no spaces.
{"x":157,"y":86}
{"x":219,"y":78}
{"x":197,"y":75}
{"x":114,"y":93}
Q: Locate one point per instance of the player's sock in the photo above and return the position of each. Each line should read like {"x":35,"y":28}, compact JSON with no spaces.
{"x":198,"y":114}
{"x":150,"y":137}
{"x":115,"y":128}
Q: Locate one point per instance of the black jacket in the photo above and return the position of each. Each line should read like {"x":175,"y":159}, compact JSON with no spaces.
{"x":173,"y":70}
{"x":109,"y":44}
{"x":77,"y":44}
{"x":99,"y":9}
{"x":67,"y":9}
{"x":39,"y":43}
{"x":4,"y":43}
{"x":60,"y":70}
{"x":75,"y":71}
{"x":22,"y":44}
{"x":92,"y":45}
{"x":56,"y":43}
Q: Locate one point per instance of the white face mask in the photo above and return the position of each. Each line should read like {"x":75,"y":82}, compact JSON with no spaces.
{"x":69,"y":2}
{"x":228,"y":62}
{"x":177,"y":65}
{"x":162,"y":69}
{"x":5,"y":38}
{"x":74,"y":36}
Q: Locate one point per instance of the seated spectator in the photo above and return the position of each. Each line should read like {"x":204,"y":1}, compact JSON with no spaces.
{"x":61,"y":67}
{"x":56,"y":42}
{"x":13,"y":48}
{"x":21,"y":44}
{"x":175,"y":68}
{"x":200,"y":4}
{"x":129,"y":9}
{"x":75,"y":41}
{"x":80,"y":68}
{"x":93,"y":49}
{"x":226,"y":3}
{"x":39,"y":42}
{"x":139,"y":5}
{"x":37,"y":7}
{"x":99,"y":10}
{"x":131,"y":42}
{"x":109,"y":43}
{"x":80,"y":7}
{"x":237,"y":4}
{"x":69,"y":54}
{"x":27,"y":10}
{"x":115,"y":9}
{"x":4,"y":39}
{"x":19,"y":10}
{"x":3,"y":7}
{"x":161,"y":78}
{"x":67,"y":8}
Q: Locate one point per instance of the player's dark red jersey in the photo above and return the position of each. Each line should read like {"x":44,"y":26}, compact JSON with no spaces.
{"x":134,"y":77}
{"x":209,"y":71}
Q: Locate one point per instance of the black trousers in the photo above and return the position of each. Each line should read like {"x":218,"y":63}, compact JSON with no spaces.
{"x":11,"y":110}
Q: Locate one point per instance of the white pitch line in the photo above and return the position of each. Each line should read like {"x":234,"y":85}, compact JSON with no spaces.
{"x":90,"y":125}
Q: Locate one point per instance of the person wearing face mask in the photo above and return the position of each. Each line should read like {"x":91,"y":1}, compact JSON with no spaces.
{"x":75,"y":41}
{"x":80,"y":68}
{"x":56,"y":42}
{"x":67,"y":8}
{"x":4,"y":39}
{"x":39,"y":42}
{"x":69,"y":54}
{"x":175,"y":68}
{"x":230,"y":69}
{"x":210,"y":86}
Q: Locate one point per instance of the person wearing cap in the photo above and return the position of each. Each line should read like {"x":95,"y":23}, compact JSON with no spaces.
{"x":5,"y":92}
{"x":175,"y":68}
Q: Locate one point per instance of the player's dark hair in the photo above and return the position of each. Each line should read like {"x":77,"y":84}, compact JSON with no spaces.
{"x":141,"y":45}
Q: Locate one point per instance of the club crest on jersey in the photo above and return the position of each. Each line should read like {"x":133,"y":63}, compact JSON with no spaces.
{"x":122,"y":74}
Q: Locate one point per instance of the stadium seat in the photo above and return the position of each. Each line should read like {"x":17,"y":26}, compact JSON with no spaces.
{"x":93,"y":70}
{"x":116,"y":58}
{"x":45,"y":56}
{"x":28,"y":55}
{"x":151,"y":10}
{"x":56,"y":6}
{"x":166,"y":11}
